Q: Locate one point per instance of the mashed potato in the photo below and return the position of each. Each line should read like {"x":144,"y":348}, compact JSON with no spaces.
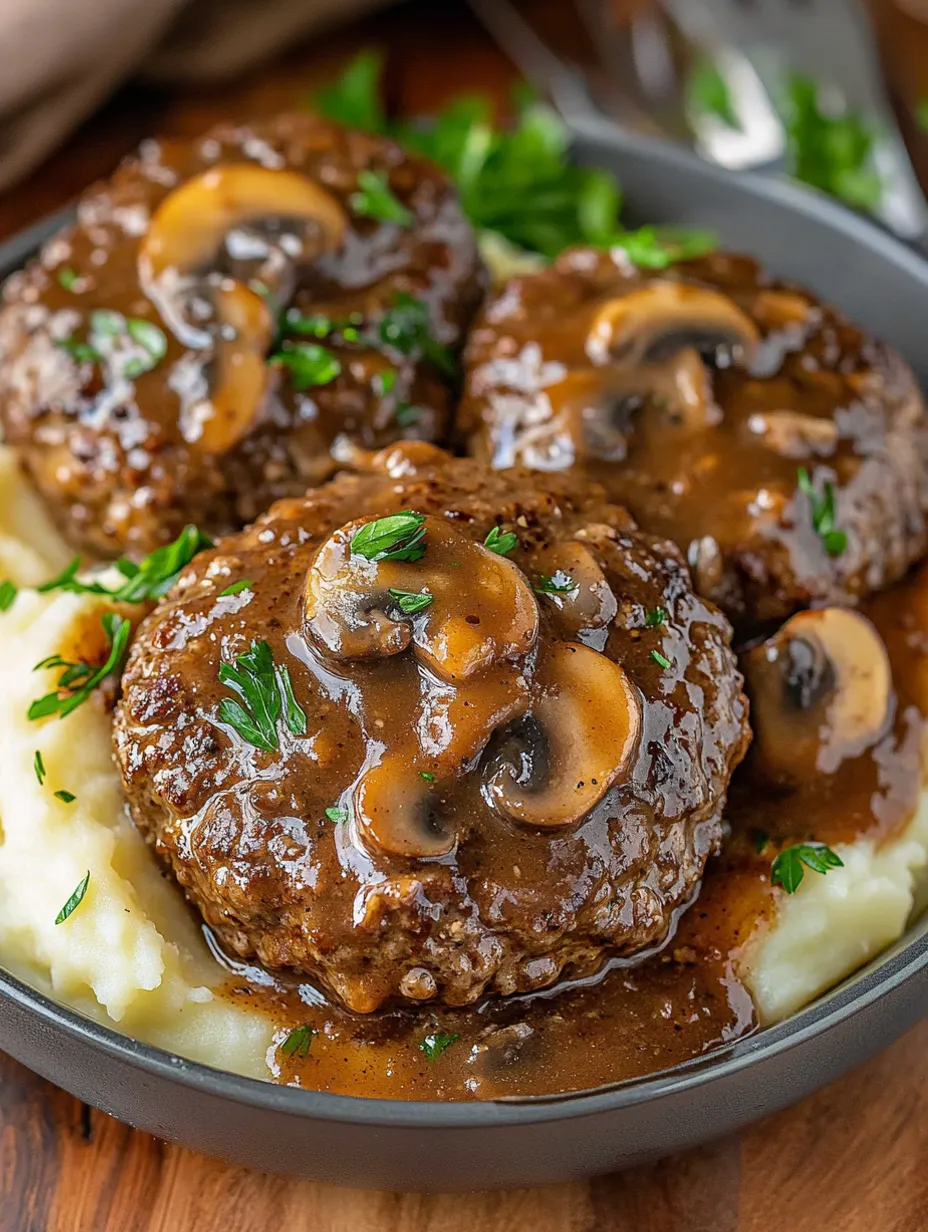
{"x":133,"y":955}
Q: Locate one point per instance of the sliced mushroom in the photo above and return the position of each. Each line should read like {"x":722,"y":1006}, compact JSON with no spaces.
{"x":395,"y":811}
{"x":482,"y":609}
{"x":581,"y":736}
{"x":821,"y":692}
{"x":590,"y":604}
{"x":190,"y":225}
{"x":664,"y":317}
{"x":241,"y":378}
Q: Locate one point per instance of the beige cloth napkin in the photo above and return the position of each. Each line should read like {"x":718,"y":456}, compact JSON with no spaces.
{"x":60,"y":58}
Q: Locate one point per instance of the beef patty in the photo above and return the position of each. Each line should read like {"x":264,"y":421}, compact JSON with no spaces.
{"x":780,"y":447}
{"x":133,"y":351}
{"x":433,"y":731}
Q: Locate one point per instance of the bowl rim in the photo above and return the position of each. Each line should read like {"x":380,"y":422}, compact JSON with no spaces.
{"x":903,"y":961}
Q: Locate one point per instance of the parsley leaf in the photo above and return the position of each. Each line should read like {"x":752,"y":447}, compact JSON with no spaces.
{"x":153,"y":343}
{"x":707,"y":93}
{"x":266,"y":693}
{"x":66,"y":797}
{"x":297,"y":1043}
{"x":354,"y":98}
{"x":436,"y":1042}
{"x":236,"y":588}
{"x":502,"y":542}
{"x":8,"y":593}
{"x":336,"y":814}
{"x":424,"y":774}
{"x":39,"y":766}
{"x":787,"y":869}
{"x":559,"y":583}
{"x":398,"y":536}
{"x":660,"y":660}
{"x":309,"y":364}
{"x":655,"y":617}
{"x":67,"y":278}
{"x":78,"y":680}
{"x":375,"y":199}
{"x":822,"y":508}
{"x":407,"y":328}
{"x":82,"y":352}
{"x":151,"y":578}
{"x":834,"y":153}
{"x":410,"y":602}
{"x":75,"y":900}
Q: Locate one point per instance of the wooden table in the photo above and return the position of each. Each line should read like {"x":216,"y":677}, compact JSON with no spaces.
{"x":854,"y":1158}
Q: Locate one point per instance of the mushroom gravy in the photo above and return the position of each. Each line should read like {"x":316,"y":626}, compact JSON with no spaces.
{"x":636,"y":1016}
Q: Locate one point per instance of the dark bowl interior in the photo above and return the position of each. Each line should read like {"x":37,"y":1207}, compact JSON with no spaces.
{"x":396,"y":1145}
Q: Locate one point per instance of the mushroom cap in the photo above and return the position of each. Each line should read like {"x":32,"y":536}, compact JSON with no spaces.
{"x":821,"y":691}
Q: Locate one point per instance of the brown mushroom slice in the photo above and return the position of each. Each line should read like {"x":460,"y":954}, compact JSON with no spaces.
{"x":664,"y":317}
{"x":590,"y":604}
{"x":821,"y":692}
{"x":191,"y":223}
{"x":482,"y":610}
{"x":581,"y":736}
{"x":395,"y":811}
{"x":241,"y":377}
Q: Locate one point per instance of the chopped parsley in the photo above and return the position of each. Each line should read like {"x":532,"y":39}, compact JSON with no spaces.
{"x":822,"y":507}
{"x":384,"y":382}
{"x":406,"y":414}
{"x":559,"y":583}
{"x":78,"y":680}
{"x":308,"y":363}
{"x":410,"y":602}
{"x":436,"y":1042}
{"x":707,"y":93}
{"x":236,"y":588}
{"x":398,"y":536}
{"x":502,"y":542}
{"x":266,"y":694}
{"x":109,"y":334}
{"x":75,"y":900}
{"x":336,"y":814}
{"x":375,"y":199}
{"x":406,"y":327}
{"x":660,"y":660}
{"x":153,"y":343}
{"x":656,"y":616}
{"x":8,"y":593}
{"x":424,"y":774}
{"x":519,"y":181}
{"x":297,"y":1043}
{"x":81,"y":352}
{"x":151,"y":578}
{"x":66,"y":797}
{"x":787,"y":869}
{"x":833,"y":152}
{"x":67,"y":278}
{"x":39,"y":766}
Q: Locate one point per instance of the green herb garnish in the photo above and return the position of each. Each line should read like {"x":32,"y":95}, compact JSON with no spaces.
{"x":406,"y":414}
{"x":8,"y":593}
{"x":151,"y":578}
{"x":396,"y":537}
{"x":707,"y":93}
{"x":308,"y":363}
{"x":660,"y":660}
{"x":74,"y":901}
{"x":760,"y":840}
{"x":656,"y":616}
{"x":436,"y":1042}
{"x":66,"y":797}
{"x":406,"y":327}
{"x":297,"y":1043}
{"x":559,"y":583}
{"x":107,"y":328}
{"x":384,"y":382}
{"x":424,"y":774}
{"x":67,"y":278}
{"x":787,"y":869}
{"x":153,"y":342}
{"x":336,"y":814}
{"x":236,"y":588}
{"x":834,"y":153}
{"x":822,"y":509}
{"x":81,"y":352}
{"x":78,"y":680}
{"x":410,"y":602}
{"x":375,"y":199}
{"x":354,"y":98}
{"x":265,"y":690}
{"x":39,"y":766}
{"x":502,"y":542}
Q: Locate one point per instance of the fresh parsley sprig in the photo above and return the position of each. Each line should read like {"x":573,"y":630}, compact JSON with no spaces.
{"x":297,"y":1043}
{"x":436,"y":1042}
{"x":399,"y":536}
{"x":78,"y":680}
{"x":152,"y":577}
{"x":410,"y":601}
{"x":131,"y":345}
{"x":787,"y":869}
{"x":833,"y":152}
{"x":308,"y":363}
{"x":376,"y":199}
{"x":502,"y":542}
{"x":822,"y":508}
{"x":266,"y":693}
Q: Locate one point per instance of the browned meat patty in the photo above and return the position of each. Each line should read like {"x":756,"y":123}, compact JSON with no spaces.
{"x":782,"y":449}
{"x":133,"y":351}
{"x":448,"y":771}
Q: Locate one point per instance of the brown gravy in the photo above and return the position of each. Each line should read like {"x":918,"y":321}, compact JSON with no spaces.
{"x":633,"y":1019}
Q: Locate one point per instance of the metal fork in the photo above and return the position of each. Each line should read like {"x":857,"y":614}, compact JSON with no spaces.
{"x":829,"y":41}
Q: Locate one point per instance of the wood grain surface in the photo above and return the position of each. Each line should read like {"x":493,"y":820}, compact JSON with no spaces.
{"x":853,"y":1158}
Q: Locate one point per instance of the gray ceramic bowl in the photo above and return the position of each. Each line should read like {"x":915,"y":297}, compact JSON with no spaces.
{"x":387,"y":1144}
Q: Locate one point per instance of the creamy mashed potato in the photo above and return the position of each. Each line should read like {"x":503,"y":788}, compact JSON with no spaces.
{"x":132,"y":953}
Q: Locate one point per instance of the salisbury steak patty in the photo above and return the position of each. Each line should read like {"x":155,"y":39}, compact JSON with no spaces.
{"x":222,"y":314}
{"x":782,"y":449}
{"x":448,"y":770}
